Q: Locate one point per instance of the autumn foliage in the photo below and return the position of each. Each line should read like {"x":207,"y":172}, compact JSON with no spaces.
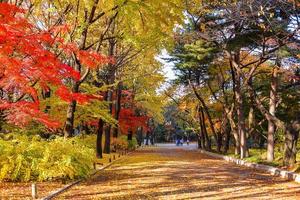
{"x":27,"y":67}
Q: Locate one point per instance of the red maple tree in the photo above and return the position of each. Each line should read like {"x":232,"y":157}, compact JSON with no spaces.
{"x":28,"y":66}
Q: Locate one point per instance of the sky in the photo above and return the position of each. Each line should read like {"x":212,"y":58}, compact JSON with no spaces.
{"x":167,"y":67}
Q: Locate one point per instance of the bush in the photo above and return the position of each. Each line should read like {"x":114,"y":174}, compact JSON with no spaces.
{"x":120,"y":143}
{"x":25,"y":158}
{"x":132,"y":144}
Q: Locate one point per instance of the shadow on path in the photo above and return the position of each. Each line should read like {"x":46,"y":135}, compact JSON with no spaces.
{"x":167,"y":172}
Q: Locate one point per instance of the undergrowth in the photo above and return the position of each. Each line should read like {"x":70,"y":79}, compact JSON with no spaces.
{"x":26,"y":158}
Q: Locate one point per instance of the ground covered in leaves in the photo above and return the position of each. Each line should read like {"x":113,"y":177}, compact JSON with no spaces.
{"x":167,"y":172}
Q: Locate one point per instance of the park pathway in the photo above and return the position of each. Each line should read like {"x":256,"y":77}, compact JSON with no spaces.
{"x":168,"y":172}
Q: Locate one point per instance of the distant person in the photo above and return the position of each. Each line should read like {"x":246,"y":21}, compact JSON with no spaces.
{"x":181,"y":142}
{"x":187,"y":142}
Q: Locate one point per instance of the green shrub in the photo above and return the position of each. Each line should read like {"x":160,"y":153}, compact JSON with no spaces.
{"x":132,"y":144}
{"x":25,"y":158}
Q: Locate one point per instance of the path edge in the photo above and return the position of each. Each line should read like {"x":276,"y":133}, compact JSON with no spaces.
{"x":66,"y":187}
{"x":272,"y":170}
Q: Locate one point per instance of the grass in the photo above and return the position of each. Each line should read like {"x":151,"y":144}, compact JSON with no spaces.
{"x":259,"y":156}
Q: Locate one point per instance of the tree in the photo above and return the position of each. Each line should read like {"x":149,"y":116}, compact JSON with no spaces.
{"x":28,"y":67}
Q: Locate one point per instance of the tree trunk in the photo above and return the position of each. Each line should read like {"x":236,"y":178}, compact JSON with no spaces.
{"x":201,"y":136}
{"x":272,"y":109}
{"x":147,"y":138}
{"x":291,"y":131}
{"x":219,"y":142}
{"x":199,"y":141}
{"x":234,"y":130}
{"x":129,"y":136}
{"x":107,"y":139}
{"x":117,"y":107}
{"x":99,"y":139}
{"x":290,"y":146}
{"x":205,"y":108}
{"x":140,"y":136}
{"x":108,"y":126}
{"x":226,"y":133}
{"x":69,"y":124}
{"x":240,"y":111}
{"x":207,"y":139}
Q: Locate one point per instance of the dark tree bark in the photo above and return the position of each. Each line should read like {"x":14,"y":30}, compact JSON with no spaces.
{"x":108,"y":126}
{"x":205,"y":108}
{"x":226,"y":132}
{"x":140,"y":136}
{"x":201,"y":137}
{"x":207,"y":139}
{"x":129,"y":136}
{"x":69,"y":124}
{"x":147,"y":137}
{"x":99,"y":139}
{"x":199,"y":141}
{"x":117,"y":107}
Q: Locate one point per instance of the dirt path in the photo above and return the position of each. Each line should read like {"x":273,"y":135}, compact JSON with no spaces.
{"x":175,"y":173}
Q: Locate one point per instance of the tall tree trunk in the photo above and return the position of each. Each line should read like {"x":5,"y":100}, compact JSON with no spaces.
{"x":117,"y":107}
{"x":201,"y":136}
{"x":272,"y":109}
{"x":207,"y":139}
{"x":99,"y":139}
{"x":199,"y":141}
{"x":240,"y":109}
{"x":205,"y":108}
{"x":227,"y":140}
{"x":129,"y":136}
{"x":147,"y":138}
{"x":291,"y":130}
{"x":219,"y":141}
{"x":234,"y":130}
{"x":69,"y":124}
{"x":232,"y":110}
{"x":108,"y":126}
{"x":226,"y":132}
{"x":140,"y":136}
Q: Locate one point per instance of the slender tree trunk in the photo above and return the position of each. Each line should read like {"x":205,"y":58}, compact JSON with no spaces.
{"x":207,"y":139}
{"x":272,"y":109}
{"x":226,"y":133}
{"x":117,"y":107}
{"x":234,"y":130}
{"x":240,"y":110}
{"x":199,"y":141}
{"x":99,"y":139}
{"x":108,"y":126}
{"x":201,"y":136}
{"x":205,"y":108}
{"x":227,"y":140}
{"x":129,"y":136}
{"x":219,"y":141}
{"x":147,"y":138}
{"x":291,"y":130}
{"x":69,"y":124}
